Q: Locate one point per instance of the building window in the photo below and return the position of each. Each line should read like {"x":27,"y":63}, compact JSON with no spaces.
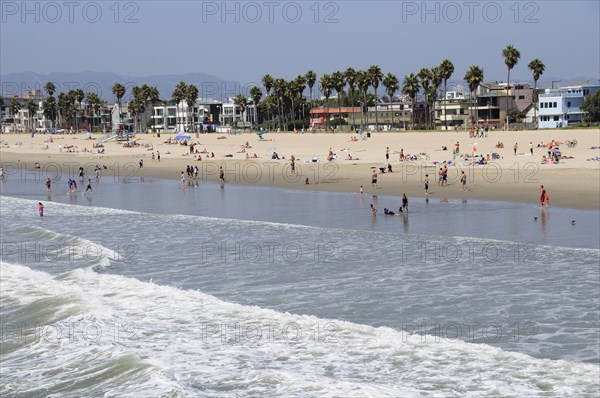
{"x":569,"y":104}
{"x":556,"y":118}
{"x":554,"y":105}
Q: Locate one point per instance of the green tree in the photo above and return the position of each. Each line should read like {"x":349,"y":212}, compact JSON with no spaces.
{"x":511,"y":58}
{"x":31,"y":111}
{"x":95,"y":103}
{"x":591,"y":105}
{"x":431,"y":96}
{"x":267,"y":82}
{"x":446,"y":69}
{"x":311,"y":79}
{"x":410,"y":87}
{"x":363,"y":82}
{"x":14,"y":107}
{"x":474,"y":77}
{"x":178,"y":96}
{"x":350,"y":75}
{"x":119,"y":91}
{"x":191,"y":96}
{"x":279,"y":88}
{"x":50,"y":90}
{"x":375,"y":75}
{"x":241,"y":101}
{"x":537,"y":67}
{"x":326,"y":87}
{"x":256,"y":95}
{"x":391,"y":83}
{"x":338,"y":82}
{"x":79,"y":96}
{"x":425,"y":78}
{"x":49,"y":108}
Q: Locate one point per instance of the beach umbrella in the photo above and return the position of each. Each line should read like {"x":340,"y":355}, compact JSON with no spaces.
{"x":183,"y":137}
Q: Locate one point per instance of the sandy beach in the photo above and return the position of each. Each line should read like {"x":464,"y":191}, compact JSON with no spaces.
{"x":574,"y":182}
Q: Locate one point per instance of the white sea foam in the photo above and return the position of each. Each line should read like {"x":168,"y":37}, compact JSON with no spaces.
{"x":188,"y":342}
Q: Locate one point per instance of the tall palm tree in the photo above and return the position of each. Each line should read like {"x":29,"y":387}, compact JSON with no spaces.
{"x":537,"y":68}
{"x":410,"y":87}
{"x":267,"y":82}
{"x":50,"y":89}
{"x":31,"y":110}
{"x":14,"y":107}
{"x":363,"y":82}
{"x":446,"y":69}
{"x":279,"y":88}
{"x":118,"y":91}
{"x":436,"y":81}
{"x":425,"y":77}
{"x":473,"y":77}
{"x":241,"y":101}
{"x":49,"y":108}
{"x":511,"y":58}
{"x":94,"y":102}
{"x":350,"y":75}
{"x":375,"y":75}
{"x":326,"y":86}
{"x":78,"y":95}
{"x":311,"y":79}
{"x":338,"y":82}
{"x":256,"y":95}
{"x":191,"y":96}
{"x":390,"y":82}
{"x":178,"y":96}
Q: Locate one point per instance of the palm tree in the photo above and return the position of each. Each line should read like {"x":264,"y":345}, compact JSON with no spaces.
{"x":326,"y":86}
{"x":94,"y":103}
{"x":410,"y":87}
{"x":191,"y":96}
{"x":446,"y":69}
{"x":78,"y":95}
{"x":350,"y":76}
{"x":31,"y":110}
{"x":390,"y":82}
{"x":537,"y":67}
{"x":473,"y":77}
{"x":50,"y":89}
{"x":311,"y":79}
{"x":279,"y":88}
{"x":436,"y":81}
{"x":177,"y":96}
{"x":425,"y":77}
{"x":511,"y":58}
{"x":338,"y":82}
{"x":14,"y":107}
{"x":241,"y":101}
{"x":267,"y":82}
{"x":118,"y":91}
{"x":363,"y":82}
{"x":49,"y":108}
{"x":375,"y":75}
{"x":256,"y":95}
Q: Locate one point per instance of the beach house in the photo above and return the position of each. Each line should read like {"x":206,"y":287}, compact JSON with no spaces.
{"x":559,"y":107}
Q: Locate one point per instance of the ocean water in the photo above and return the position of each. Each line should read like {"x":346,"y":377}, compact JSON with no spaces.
{"x":147,"y":290}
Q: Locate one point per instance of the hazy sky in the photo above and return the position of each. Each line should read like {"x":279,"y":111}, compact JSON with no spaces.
{"x":242,"y":41}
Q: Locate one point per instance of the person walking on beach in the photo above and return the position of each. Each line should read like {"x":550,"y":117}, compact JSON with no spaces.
{"x":221,"y":174}
{"x":374,"y":179}
{"x":515,"y":147}
{"x":158,"y":155}
{"x":141,"y":163}
{"x":404,"y":207}
{"x":440,"y":177}
{"x":387,"y":154}
{"x":41,"y":209}
{"x":457,"y":148}
{"x":89,"y":186}
{"x":48,"y":184}
{"x":182,"y":180}
{"x":531,"y":147}
{"x":445,"y":175}
{"x":426,"y":182}
{"x":361,"y":190}
{"x":463,"y":181}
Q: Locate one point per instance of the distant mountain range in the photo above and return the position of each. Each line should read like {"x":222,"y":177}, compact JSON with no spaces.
{"x":208,"y":85}
{"x":102,"y":82}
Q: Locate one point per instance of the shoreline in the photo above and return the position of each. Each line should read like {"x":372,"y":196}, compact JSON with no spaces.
{"x":574,"y":184}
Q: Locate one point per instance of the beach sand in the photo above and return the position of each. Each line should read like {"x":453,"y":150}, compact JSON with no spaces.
{"x":572,"y":183}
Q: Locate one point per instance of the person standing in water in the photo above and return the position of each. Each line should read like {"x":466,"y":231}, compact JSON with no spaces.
{"x":404,"y":207}
{"x":41,"y":209}
{"x":48,"y":184}
{"x":426,"y":182}
{"x":543,"y":195}
{"x":373,"y":210}
{"x":89,"y":186}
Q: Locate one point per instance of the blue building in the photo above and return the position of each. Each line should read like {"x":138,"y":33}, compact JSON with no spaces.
{"x":559,"y":107}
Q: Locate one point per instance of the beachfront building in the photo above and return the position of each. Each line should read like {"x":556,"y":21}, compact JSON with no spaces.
{"x":319,"y":116}
{"x":231,"y":115}
{"x":22,"y":120}
{"x":169,"y":117}
{"x":391,"y":115}
{"x":492,"y":104}
{"x":559,"y":107}
{"x":454,"y":109}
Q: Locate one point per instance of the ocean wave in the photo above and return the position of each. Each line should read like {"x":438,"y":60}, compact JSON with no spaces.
{"x":199,"y":345}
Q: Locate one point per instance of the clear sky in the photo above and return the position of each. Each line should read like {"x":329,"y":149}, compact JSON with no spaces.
{"x":242,"y":41}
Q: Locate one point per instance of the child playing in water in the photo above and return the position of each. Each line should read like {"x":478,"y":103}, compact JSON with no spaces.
{"x":41,"y":209}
